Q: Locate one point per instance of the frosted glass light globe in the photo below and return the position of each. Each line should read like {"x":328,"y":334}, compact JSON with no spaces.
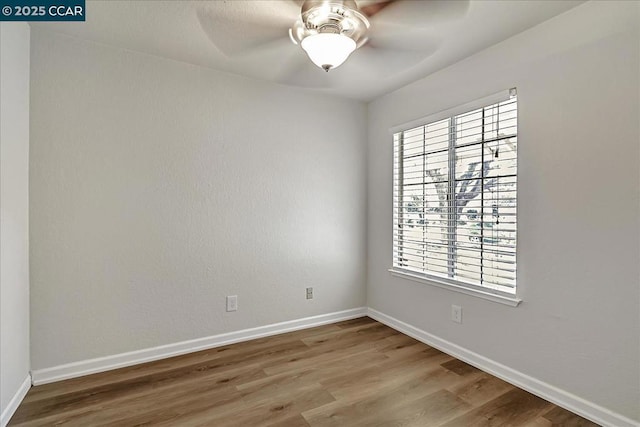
{"x":328,"y":50}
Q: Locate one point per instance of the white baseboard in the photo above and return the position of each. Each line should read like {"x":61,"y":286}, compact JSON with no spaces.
{"x":101,"y":364}
{"x":15,"y":401}
{"x":573,"y":403}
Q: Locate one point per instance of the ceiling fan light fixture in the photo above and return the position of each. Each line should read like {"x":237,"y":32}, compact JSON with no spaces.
{"x":329,"y":31}
{"x":328,"y":50}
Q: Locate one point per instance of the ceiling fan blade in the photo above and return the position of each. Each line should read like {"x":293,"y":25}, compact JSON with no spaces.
{"x":380,"y":62}
{"x":397,"y":37}
{"x":271,"y":61}
{"x":374,"y":60}
{"x":417,"y":13}
{"x":298,"y":70}
{"x":372,"y":8}
{"x":238,"y":26}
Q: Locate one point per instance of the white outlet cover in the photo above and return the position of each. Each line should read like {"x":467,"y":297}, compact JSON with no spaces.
{"x":456,"y":313}
{"x":232,"y":303}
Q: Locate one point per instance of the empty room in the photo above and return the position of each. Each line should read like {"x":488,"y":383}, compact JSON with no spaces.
{"x":320,"y":213}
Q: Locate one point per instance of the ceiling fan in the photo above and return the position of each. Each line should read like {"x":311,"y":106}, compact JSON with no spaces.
{"x":329,"y":31}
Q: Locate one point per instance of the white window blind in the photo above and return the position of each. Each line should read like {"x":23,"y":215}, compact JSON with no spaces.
{"x":454,"y":197}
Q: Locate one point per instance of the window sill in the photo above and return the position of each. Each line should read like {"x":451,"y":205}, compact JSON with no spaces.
{"x":502,"y":299}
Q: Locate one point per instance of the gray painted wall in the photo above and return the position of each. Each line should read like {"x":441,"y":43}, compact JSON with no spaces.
{"x":158,"y":188}
{"x":579,"y":221}
{"x":14,"y":209}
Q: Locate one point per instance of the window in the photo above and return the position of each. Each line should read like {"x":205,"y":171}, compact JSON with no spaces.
{"x":454,"y":197}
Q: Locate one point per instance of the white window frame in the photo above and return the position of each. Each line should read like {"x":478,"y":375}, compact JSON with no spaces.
{"x":484,"y":292}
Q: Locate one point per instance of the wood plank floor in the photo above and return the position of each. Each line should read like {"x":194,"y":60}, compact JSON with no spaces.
{"x":353,"y":373}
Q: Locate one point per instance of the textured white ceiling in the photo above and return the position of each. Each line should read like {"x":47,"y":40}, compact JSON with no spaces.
{"x":410,"y":39}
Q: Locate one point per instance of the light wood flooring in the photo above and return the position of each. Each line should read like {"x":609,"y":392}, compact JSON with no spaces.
{"x":353,"y":373}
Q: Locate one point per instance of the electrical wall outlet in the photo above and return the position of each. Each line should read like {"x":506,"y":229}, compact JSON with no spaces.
{"x":309,"y":293}
{"x":456,"y":313}
{"x":232,"y":303}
